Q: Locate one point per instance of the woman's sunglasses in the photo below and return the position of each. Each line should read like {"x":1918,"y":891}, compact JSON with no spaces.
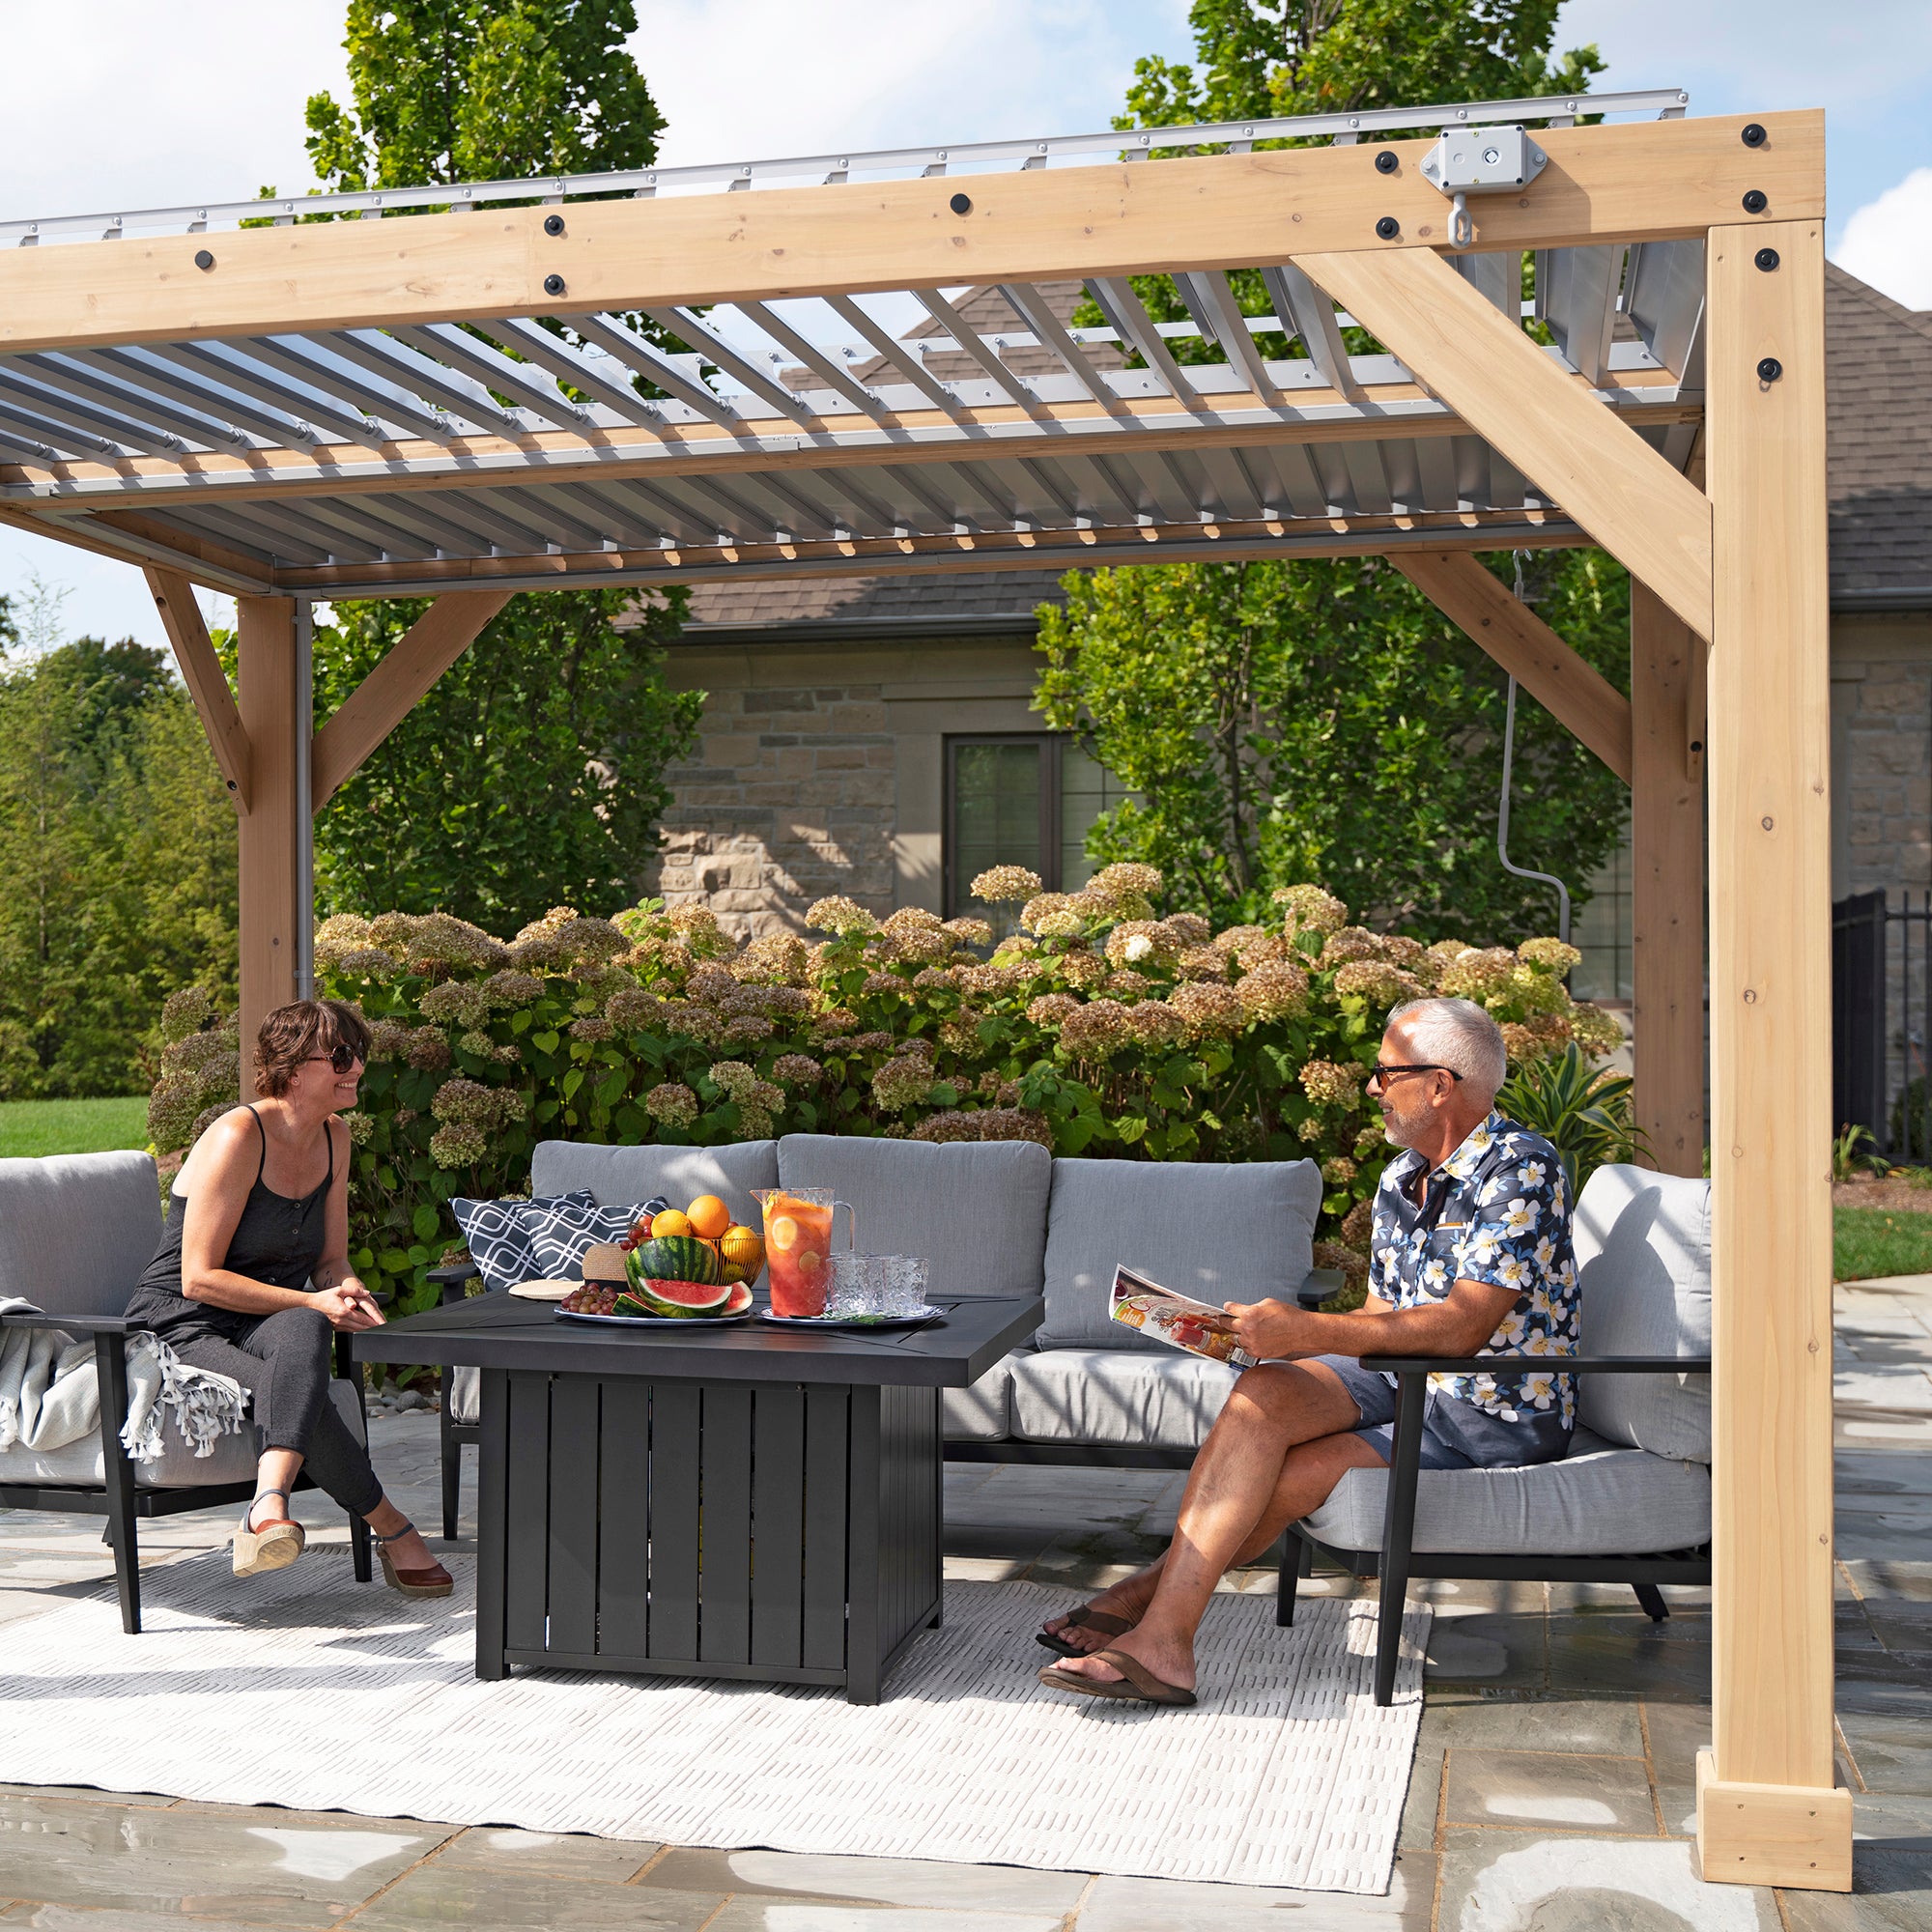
{"x":340,"y":1057}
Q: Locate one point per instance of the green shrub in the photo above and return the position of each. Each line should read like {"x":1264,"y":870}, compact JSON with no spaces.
{"x":1099,"y":1029}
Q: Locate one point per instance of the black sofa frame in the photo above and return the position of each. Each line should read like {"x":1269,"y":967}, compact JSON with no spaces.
{"x":120,"y":1499}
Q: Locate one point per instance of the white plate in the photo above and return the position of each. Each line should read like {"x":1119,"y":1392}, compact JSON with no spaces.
{"x":656,"y":1321}
{"x":923,"y":1316}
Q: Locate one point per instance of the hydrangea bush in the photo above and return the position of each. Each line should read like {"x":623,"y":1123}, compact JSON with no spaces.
{"x":1098,"y":1028}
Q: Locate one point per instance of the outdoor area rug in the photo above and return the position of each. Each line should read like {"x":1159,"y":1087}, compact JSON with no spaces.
{"x":303,"y":1688}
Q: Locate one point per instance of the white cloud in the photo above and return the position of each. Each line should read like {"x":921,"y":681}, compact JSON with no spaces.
{"x":1887,"y":243}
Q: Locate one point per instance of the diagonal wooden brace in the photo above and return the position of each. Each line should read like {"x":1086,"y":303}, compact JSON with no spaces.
{"x":390,"y":691}
{"x":206,"y":683}
{"x":1579,"y":696}
{"x":1543,"y":421}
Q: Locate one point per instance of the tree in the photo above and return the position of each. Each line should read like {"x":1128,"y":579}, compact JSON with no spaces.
{"x":531,"y":776}
{"x":1353,"y":736}
{"x":532,"y":773}
{"x":477,"y":89}
{"x":1282,"y":722}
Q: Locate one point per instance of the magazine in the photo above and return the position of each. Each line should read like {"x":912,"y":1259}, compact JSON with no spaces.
{"x":1177,"y":1319}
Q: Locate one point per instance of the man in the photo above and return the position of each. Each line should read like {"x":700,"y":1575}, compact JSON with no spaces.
{"x":1470,"y":1255}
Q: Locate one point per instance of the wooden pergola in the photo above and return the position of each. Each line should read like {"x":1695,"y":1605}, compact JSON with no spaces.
{"x":368,"y":407}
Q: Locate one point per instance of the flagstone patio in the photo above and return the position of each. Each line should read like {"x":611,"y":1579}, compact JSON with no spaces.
{"x":1552,"y":1785}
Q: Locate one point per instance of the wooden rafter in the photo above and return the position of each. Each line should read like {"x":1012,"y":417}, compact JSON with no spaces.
{"x":390,"y":691}
{"x":1576,"y":695}
{"x":206,"y":683}
{"x":1482,"y":364}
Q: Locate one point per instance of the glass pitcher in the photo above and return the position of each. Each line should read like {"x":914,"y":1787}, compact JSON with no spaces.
{"x":798,"y":1244}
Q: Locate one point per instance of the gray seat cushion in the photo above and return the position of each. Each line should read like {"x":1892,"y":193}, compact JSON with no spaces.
{"x":1643,"y":1258}
{"x":1217,"y":1231}
{"x":77,"y":1230}
{"x":976,"y":1210}
{"x":620,"y":1176}
{"x":981,"y":1412}
{"x":464,"y":1395}
{"x":1599,"y":1500}
{"x":233,"y":1460}
{"x":1167,"y":1401}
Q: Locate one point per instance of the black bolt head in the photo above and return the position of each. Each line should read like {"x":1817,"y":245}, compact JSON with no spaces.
{"x":1388,"y":228}
{"x":553,"y":224}
{"x":203,"y":259}
{"x":1387,"y":161}
{"x":1753,"y":135}
{"x":1756,"y":201}
{"x":552,"y":285}
{"x":961,"y":204}
{"x":1770,"y":369}
{"x":1765,"y":259}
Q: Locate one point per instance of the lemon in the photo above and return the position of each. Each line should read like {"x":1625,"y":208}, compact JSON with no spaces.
{"x":783,"y":1233}
{"x":670,"y":1222}
{"x":810,"y":1262}
{"x":742,"y":1248}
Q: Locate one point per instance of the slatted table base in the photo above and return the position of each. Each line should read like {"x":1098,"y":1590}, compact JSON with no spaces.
{"x":783,"y":1532}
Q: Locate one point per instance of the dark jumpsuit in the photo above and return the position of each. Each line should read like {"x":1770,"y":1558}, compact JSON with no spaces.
{"x":282,"y":1359}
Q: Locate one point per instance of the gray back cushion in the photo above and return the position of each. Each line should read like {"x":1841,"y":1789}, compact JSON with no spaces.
{"x":623,"y":1177}
{"x":77,"y":1230}
{"x":976,"y":1210}
{"x":1220,"y":1231}
{"x":1643,"y":1258}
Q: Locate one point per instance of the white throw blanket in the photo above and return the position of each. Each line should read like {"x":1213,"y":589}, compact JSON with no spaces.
{"x":50,"y":1393}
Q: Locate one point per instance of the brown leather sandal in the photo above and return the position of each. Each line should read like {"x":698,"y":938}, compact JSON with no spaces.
{"x":274,"y":1546}
{"x":1083,"y":1616}
{"x":1141,"y":1685}
{"x":434,"y":1582}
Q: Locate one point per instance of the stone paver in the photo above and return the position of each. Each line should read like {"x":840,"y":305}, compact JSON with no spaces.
{"x":1552,"y":1789}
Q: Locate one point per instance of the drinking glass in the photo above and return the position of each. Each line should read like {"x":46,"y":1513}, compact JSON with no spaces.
{"x":854,"y":1286}
{"x":903,"y":1286}
{"x":798,"y":1245}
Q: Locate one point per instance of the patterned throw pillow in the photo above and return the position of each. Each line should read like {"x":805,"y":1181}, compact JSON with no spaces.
{"x":562,"y":1232}
{"x":501,"y":1234}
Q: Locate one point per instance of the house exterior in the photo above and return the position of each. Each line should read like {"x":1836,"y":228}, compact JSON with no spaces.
{"x":874,"y":737}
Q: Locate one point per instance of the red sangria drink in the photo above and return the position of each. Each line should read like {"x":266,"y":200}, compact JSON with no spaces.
{"x":798,"y":1248}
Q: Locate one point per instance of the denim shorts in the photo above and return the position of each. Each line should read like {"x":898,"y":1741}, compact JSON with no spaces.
{"x":1456,"y":1434}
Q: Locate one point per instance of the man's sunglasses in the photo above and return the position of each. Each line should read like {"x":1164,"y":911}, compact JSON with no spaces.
{"x":341,"y":1058}
{"x":1381,"y":1076}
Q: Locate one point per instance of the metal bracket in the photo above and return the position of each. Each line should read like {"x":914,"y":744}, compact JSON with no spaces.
{"x":1480,"y":161}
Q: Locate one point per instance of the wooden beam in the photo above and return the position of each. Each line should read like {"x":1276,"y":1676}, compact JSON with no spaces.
{"x":1606,"y":184}
{"x":390,"y":691}
{"x":1576,"y":695}
{"x":207,"y":682}
{"x":1668,"y":882}
{"x":269,"y":912}
{"x":1516,"y":397}
{"x":1771,"y":1052}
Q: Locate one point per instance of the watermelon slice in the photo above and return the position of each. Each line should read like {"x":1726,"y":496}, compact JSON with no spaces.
{"x":682,"y":1297}
{"x":740,"y":1300}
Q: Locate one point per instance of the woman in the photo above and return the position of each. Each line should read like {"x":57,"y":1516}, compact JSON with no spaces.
{"x":252,"y":1274}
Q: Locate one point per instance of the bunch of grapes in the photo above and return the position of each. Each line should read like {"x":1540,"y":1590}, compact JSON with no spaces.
{"x":592,"y":1299}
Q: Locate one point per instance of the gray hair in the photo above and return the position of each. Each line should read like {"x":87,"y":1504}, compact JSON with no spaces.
{"x":1458,"y":1034}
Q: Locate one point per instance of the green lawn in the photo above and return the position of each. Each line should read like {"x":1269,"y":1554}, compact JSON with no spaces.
{"x":33,"y":1127}
{"x":1880,"y":1241}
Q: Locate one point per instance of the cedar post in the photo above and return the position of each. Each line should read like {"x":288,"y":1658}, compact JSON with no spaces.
{"x":1667,"y":881}
{"x":1767,"y":1812}
{"x":273,"y":921}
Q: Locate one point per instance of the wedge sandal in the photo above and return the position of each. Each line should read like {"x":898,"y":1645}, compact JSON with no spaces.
{"x":434,"y":1582}
{"x":1140,"y":1686}
{"x":1083,"y":1616}
{"x":274,"y":1546}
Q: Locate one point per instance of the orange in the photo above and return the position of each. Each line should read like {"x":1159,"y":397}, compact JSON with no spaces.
{"x":708,"y":1217}
{"x":670,"y":1222}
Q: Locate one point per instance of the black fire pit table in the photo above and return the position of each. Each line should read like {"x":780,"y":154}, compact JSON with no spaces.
{"x":747,"y":1501}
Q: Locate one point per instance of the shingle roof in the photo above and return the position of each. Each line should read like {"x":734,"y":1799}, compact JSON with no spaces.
{"x":1878,"y":403}
{"x":977,"y":603}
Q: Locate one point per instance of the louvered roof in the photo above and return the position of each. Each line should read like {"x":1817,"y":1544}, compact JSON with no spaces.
{"x":886,"y":429}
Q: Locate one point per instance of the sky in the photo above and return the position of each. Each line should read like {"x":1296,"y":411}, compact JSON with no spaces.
{"x":125,"y":103}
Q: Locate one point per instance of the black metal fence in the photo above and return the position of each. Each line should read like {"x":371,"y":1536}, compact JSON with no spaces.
{"x":1882,"y":1019}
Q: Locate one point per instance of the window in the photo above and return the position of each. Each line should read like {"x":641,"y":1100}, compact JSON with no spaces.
{"x":1020,"y":799}
{"x":1602,"y":930}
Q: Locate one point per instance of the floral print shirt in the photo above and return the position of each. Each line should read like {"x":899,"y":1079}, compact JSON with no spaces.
{"x":1496,"y":1211}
